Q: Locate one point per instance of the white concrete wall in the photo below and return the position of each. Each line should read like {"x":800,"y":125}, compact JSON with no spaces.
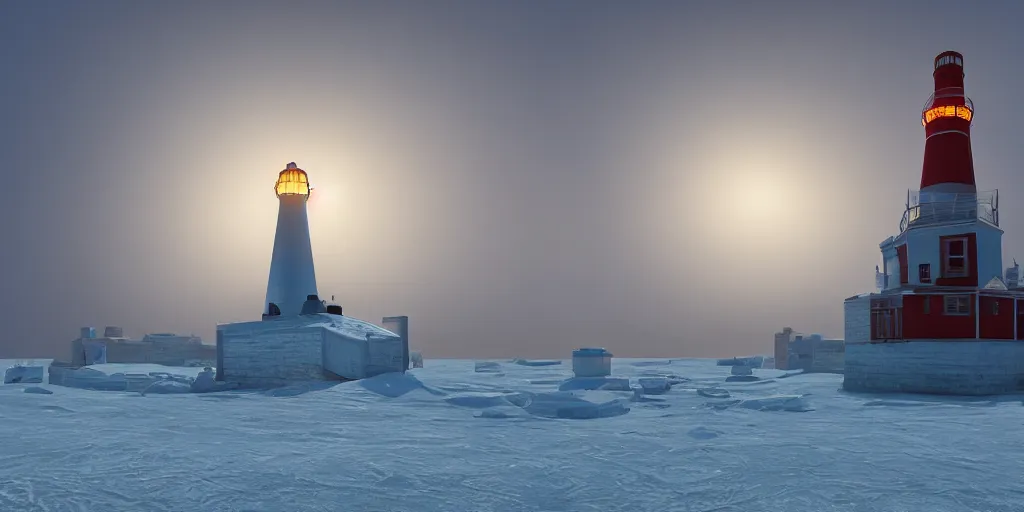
{"x":892,"y":266}
{"x":857,"y":320}
{"x":344,"y":356}
{"x":936,"y":367}
{"x":386,"y":355}
{"x":358,"y":359}
{"x":270,"y":358}
{"x":923,"y":247}
{"x":827,"y":356}
{"x":990,"y":254}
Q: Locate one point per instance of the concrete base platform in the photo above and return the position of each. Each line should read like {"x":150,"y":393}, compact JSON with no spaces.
{"x":299,"y":348}
{"x":967,"y":367}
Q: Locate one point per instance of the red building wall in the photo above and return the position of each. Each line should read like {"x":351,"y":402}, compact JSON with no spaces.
{"x":933,"y":323}
{"x":996,"y":318}
{"x":901,"y":255}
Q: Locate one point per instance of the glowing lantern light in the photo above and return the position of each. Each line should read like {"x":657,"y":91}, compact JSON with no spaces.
{"x":292,"y":181}
{"x":962,"y":111}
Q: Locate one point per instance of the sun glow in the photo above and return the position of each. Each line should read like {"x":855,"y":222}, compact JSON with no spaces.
{"x":758,"y":200}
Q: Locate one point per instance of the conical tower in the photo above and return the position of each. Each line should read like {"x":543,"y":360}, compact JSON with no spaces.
{"x":292,"y":278}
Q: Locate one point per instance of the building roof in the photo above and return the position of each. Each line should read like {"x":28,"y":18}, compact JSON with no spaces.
{"x":343,"y":325}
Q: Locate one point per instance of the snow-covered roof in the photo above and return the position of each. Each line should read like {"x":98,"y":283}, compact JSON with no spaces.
{"x":995,"y":283}
{"x":343,"y":325}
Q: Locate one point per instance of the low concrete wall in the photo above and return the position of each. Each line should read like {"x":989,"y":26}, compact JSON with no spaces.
{"x":936,"y":367}
{"x":272,"y":358}
{"x":344,"y":357}
{"x":828,"y":357}
{"x":141,"y":352}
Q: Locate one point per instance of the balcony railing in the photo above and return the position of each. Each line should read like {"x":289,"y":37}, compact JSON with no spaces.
{"x":943,"y":94}
{"x":929,"y":208}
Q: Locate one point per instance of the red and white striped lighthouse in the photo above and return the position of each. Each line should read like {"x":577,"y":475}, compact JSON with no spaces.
{"x":944,"y":320}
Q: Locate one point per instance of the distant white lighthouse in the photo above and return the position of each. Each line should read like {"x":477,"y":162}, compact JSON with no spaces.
{"x":299,"y":338}
{"x":292,"y":278}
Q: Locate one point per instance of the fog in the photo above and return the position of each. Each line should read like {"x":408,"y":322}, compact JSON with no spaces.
{"x":520,"y":178}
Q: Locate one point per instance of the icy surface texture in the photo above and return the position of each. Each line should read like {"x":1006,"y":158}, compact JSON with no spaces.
{"x":450,"y":439}
{"x":742,"y":370}
{"x":752,"y":361}
{"x":595,"y":383}
{"x":654,"y":385}
{"x":537,"y":362}
{"x":487,"y":367}
{"x":24,"y":374}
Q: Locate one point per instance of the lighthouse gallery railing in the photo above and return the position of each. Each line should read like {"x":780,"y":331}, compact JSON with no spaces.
{"x":930,"y":208}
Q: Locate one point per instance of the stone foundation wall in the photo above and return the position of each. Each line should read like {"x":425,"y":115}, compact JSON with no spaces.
{"x":936,"y":367}
{"x":273,"y":358}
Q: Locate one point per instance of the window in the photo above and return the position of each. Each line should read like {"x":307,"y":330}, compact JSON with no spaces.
{"x":948,"y":59}
{"x":924,"y":272}
{"x":995,"y":307}
{"x":958,"y":305}
{"x":886,"y":325}
{"x":955,"y":250}
{"x":927,"y":304}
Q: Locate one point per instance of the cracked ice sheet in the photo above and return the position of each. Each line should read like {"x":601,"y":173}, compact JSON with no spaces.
{"x":346,"y":447}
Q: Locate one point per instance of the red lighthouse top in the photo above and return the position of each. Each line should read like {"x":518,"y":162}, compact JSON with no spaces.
{"x":947,"y":115}
{"x":949,"y":71}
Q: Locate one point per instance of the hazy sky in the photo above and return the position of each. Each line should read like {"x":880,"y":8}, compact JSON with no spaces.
{"x":520,"y":178}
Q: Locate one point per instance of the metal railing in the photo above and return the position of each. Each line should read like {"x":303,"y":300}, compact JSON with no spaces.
{"x":948,"y":92}
{"x":930,"y":208}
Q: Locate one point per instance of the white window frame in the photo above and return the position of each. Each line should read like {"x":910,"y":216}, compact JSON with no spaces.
{"x":946,"y":272}
{"x":951,"y":305}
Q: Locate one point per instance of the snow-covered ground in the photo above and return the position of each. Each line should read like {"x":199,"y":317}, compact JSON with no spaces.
{"x":447,"y":438}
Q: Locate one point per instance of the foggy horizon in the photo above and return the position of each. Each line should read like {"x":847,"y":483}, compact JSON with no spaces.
{"x":520,"y":179}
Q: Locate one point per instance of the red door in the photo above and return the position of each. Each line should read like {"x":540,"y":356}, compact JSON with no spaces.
{"x":901,"y":253}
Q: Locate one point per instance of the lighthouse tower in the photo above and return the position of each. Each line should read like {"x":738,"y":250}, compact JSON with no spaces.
{"x":299,"y":339}
{"x":944,"y":320}
{"x":292,"y":278}
{"x":948,"y":163}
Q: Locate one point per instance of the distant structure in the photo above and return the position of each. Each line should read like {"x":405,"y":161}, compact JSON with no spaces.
{"x":591,"y":362}
{"x":24,"y":373}
{"x":292,"y":277}
{"x":944,"y":322}
{"x":751,"y":361}
{"x":301,"y":337}
{"x":161,"y":348}
{"x":1012,"y":276}
{"x":812,"y":354}
{"x":400,"y":326}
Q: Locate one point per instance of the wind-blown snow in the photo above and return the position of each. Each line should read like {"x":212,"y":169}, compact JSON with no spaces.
{"x":446,"y":438}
